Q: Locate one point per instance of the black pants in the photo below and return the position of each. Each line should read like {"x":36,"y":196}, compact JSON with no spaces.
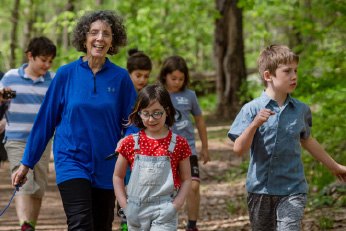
{"x":87,"y":208}
{"x":3,"y":153}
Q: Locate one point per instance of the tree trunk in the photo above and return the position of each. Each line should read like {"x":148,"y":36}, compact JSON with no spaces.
{"x":28,"y":14}
{"x":14,"y":38}
{"x":57,"y":39}
{"x":229,"y":56}
{"x":66,"y":34}
{"x":99,"y":2}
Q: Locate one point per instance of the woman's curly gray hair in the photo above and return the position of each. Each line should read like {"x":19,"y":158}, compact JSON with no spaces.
{"x":106,"y":16}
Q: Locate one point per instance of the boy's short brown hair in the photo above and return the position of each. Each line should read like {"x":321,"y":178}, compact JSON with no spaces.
{"x":272,"y":56}
{"x":41,"y":46}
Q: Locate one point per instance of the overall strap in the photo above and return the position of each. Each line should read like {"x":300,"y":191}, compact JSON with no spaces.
{"x":172,"y":143}
{"x":136,"y":139}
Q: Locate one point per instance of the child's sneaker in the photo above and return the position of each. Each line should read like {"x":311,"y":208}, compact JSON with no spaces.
{"x":123,"y":227}
{"x":27,"y":227}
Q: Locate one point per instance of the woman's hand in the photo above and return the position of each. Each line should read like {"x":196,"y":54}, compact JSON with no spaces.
{"x":19,"y":177}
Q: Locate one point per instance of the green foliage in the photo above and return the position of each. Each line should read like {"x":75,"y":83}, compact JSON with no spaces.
{"x":159,"y":28}
{"x":250,"y":89}
{"x":231,"y":207}
{"x":208,"y":102}
{"x":326,"y":96}
{"x":237,"y":205}
{"x":218,"y":134}
{"x":234,"y":174}
{"x":165,"y":28}
{"x":331,"y":196}
{"x":328,"y":197}
{"x":326,"y":223}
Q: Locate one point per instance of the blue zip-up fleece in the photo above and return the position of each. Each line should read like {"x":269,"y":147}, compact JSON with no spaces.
{"x":87,"y":113}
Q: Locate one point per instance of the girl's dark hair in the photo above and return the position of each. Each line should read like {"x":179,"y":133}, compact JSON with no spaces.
{"x":41,"y":46}
{"x":138,"y":61}
{"x":148,"y":95}
{"x":171,"y":64}
{"x":119,"y":37}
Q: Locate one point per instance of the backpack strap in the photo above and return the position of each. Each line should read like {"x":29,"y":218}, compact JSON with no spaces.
{"x":136,"y":139}
{"x":172,"y":143}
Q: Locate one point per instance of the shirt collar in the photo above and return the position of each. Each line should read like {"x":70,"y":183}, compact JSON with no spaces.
{"x":25,"y":76}
{"x":289,"y":100}
{"x":84,"y":64}
{"x":266,"y":99}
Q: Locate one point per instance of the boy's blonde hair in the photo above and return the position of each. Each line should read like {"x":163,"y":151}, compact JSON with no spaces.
{"x":272,"y":56}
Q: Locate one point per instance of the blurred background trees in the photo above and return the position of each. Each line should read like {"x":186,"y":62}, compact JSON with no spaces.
{"x":220,"y":40}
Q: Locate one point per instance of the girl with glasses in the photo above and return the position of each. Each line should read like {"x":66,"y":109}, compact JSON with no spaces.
{"x":161,"y":175}
{"x":139,"y":67}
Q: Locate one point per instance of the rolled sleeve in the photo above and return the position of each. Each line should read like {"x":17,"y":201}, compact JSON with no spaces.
{"x":241,"y":122}
{"x":307,"y":123}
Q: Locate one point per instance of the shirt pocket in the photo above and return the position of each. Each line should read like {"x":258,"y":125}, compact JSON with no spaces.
{"x":295,"y":127}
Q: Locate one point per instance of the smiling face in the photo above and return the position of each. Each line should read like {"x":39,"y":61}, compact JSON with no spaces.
{"x":154,"y":126}
{"x":175,"y":81}
{"x":285,"y":80}
{"x":140,"y":78}
{"x":38,"y":65}
{"x":98,"y":39}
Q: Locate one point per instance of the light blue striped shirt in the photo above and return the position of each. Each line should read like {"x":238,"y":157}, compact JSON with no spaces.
{"x":23,"y":109}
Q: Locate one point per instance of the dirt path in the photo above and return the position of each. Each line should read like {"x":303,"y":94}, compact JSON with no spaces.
{"x":223,"y":205}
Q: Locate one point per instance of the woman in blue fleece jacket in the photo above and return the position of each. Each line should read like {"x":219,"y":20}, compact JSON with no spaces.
{"x":86,"y":105}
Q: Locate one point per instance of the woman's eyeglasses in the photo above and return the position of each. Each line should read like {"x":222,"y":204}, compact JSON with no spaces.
{"x":95,"y":34}
{"x":155,"y":115}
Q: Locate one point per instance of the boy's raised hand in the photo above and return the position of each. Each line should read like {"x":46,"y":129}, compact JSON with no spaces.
{"x":262,"y":116}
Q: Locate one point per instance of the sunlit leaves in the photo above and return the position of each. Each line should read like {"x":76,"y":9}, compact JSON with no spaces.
{"x":165,"y":28}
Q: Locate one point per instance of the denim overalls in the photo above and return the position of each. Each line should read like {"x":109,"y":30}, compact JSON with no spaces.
{"x":151,"y":191}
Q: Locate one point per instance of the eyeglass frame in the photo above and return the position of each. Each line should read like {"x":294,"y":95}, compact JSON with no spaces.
{"x":151,"y":114}
{"x":95,"y":35}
